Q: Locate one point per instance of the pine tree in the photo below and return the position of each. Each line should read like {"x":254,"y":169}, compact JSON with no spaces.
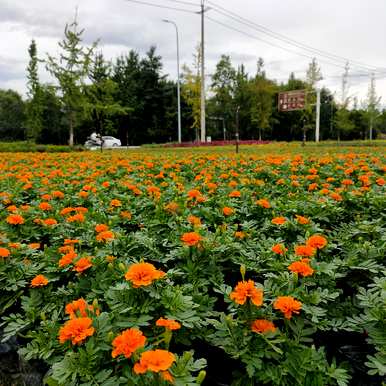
{"x":101,"y":96}
{"x":224,"y":87}
{"x":34,"y":104}
{"x":70,"y":71}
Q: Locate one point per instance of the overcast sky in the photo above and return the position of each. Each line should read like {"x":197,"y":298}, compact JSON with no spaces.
{"x":353,"y":29}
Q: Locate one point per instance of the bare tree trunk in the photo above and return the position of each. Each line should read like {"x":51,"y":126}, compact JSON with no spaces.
{"x":71,"y":140}
{"x":259,"y":134}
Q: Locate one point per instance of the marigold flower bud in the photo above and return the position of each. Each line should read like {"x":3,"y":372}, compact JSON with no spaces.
{"x":242,"y":271}
{"x":122,"y":267}
{"x":200,"y":377}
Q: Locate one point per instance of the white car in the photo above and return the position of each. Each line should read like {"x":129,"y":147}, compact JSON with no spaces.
{"x":108,"y":142}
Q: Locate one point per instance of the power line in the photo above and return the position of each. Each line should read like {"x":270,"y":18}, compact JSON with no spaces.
{"x":161,"y":6}
{"x":185,"y":3}
{"x":270,"y":43}
{"x":287,"y":40}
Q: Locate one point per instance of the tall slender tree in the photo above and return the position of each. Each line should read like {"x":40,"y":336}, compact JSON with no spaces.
{"x":34,"y":105}
{"x":262,"y":91}
{"x":70,"y":70}
{"x":372,"y":103}
{"x":224,"y":87}
{"x":342,"y":122}
{"x":313,"y":76}
{"x":191,"y":89}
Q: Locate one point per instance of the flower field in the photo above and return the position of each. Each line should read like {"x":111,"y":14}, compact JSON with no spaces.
{"x":196,"y":267}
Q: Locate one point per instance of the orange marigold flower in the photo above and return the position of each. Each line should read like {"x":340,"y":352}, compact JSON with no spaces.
{"x":105,"y":184}
{"x":194,"y":193}
{"x":67,"y":258}
{"x":39,"y":281}
{"x":45,"y":206}
{"x":83,"y":194}
{"x":101,"y":228}
{"x":263,"y":203}
{"x":70,"y":241}
{"x":65,"y":248}
{"x":14,"y":245}
{"x":262,"y":326}
{"x":15,"y":219}
{"x":82,"y":264}
{"x":336,"y":196}
{"x":227,"y":211}
{"x":169,"y":324}
{"x":115,"y":203}
{"x":172,"y":207}
{"x":49,"y":221}
{"x":125,"y":214}
{"x":302,"y":220}
{"x":79,"y":305}
{"x":66,"y":211}
{"x":12,"y":208}
{"x":304,"y":250}
{"x":34,"y":245}
{"x":317,"y":242}
{"x":247,"y":289}
{"x":347,"y":182}
{"x":380,"y":181}
{"x":154,"y":360}
{"x":235,"y":193}
{"x":110,"y":258}
{"x":76,"y":217}
{"x":105,"y":236}
{"x":77,"y":330}
{"x":240,"y":235}
{"x":128,"y":342}
{"x":191,"y":238}
{"x":196,"y":221}
{"x":80,"y":209}
{"x":167,"y":376}
{"x":57,"y":194}
{"x":143,"y":274}
{"x":4,"y":252}
{"x":278,"y":220}
{"x":287,"y":305}
{"x":302,"y":268}
{"x":279,"y":249}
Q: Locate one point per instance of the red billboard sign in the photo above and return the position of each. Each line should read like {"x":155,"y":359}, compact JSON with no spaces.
{"x":292,"y":100}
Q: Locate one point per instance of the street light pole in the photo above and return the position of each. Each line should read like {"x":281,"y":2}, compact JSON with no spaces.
{"x":178,"y":79}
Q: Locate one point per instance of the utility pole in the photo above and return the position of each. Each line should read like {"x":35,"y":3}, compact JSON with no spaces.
{"x":317,"y":129}
{"x":178,"y":79}
{"x":237,"y":129}
{"x":203,"y":123}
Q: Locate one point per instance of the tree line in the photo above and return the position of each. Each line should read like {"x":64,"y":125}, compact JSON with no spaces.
{"x":131,"y":99}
